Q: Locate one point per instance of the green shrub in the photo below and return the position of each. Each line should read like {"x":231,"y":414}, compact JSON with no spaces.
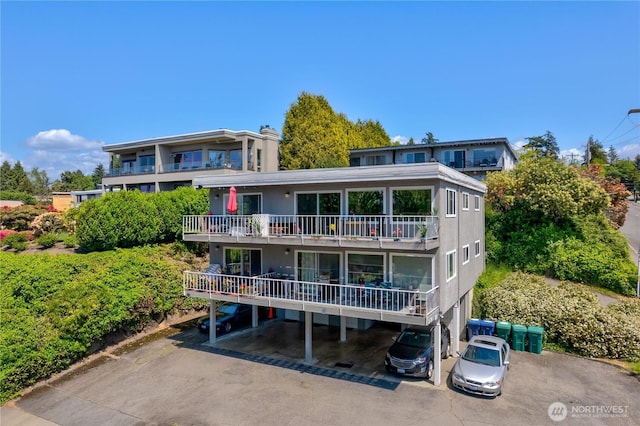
{"x":47,"y":240}
{"x":54,"y":308}
{"x":16,"y":241}
{"x":570,"y":314}
{"x":70,"y":241}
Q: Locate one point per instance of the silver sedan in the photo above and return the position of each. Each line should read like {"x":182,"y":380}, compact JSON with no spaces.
{"x":482,"y":367}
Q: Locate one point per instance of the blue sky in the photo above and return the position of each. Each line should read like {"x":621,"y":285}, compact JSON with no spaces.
{"x":78,"y":75}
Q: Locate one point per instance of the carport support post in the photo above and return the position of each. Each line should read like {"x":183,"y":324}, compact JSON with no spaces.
{"x":343,"y":329}
{"x":437,"y":354}
{"x":254,"y":316}
{"x":212,"y":322}
{"x":308,"y":336}
{"x":455,"y":333}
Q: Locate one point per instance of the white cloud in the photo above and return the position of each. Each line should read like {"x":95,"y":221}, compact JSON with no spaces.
{"x":58,"y":150}
{"x":61,"y":140}
{"x":402,"y":139}
{"x":519,"y":144}
{"x":629,"y":151}
{"x":6,"y":157}
{"x":572,"y":155}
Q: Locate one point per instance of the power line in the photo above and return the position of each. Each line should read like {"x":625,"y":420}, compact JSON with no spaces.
{"x":616,"y":128}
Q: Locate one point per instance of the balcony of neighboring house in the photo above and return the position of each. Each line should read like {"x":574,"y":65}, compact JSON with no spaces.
{"x":376,"y":300}
{"x":352,"y":231}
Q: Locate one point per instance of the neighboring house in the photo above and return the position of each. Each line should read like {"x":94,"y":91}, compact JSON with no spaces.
{"x":165,"y":163}
{"x":61,"y":201}
{"x":346,"y":246}
{"x":472,"y":157}
{"x":78,"y":197}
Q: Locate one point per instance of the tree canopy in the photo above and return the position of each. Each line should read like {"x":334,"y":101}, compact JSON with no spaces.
{"x":543,"y":146}
{"x":315,"y":136}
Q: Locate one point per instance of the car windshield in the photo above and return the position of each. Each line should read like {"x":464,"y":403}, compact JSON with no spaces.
{"x":227,"y":309}
{"x":482,"y":355}
{"x":414,"y":338}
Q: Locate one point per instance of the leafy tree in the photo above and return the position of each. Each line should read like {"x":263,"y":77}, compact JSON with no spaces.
{"x":73,"y":181}
{"x":543,"y":146}
{"x":429,"y":139}
{"x":315,"y":136}
{"x":97,"y":175}
{"x":637,"y":162}
{"x":596,"y":151}
{"x":6,"y":177}
{"x":18,"y":180}
{"x":411,"y":142}
{"x":616,"y":210}
{"x":18,"y":196}
{"x":626,"y":171}
{"x":40,"y":181}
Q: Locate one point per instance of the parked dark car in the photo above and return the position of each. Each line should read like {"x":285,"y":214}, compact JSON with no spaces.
{"x":482,"y":367}
{"x":229,"y":316}
{"x":412,"y":352}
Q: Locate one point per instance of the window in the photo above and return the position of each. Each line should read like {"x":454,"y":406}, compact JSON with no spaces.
{"x":147,"y":163}
{"x":187,"y":160}
{"x":375,"y":160}
{"x":354,"y":162}
{"x":216,"y":158}
{"x":246,"y":262}
{"x":465,"y":254}
{"x":476,"y":203}
{"x":465,"y":201}
{"x":411,"y":201}
{"x":451,"y":202}
{"x":247,"y":203}
{"x":455,"y":159}
{"x":416,"y":157}
{"x":364,"y":268}
{"x":477,"y":247}
{"x":235,"y":159}
{"x":484,"y":157}
{"x":451,"y":265}
{"x":409,"y":271}
{"x":366,"y":202}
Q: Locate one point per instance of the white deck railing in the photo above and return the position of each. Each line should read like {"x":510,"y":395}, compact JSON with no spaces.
{"x":383,"y":298}
{"x":314,"y":226}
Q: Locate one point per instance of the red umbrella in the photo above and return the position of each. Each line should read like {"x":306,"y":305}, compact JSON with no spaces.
{"x":232,"y":205}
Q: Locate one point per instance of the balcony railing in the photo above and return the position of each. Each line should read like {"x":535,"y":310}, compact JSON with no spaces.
{"x":135,"y":169}
{"x":266,"y":290}
{"x":397,"y":227}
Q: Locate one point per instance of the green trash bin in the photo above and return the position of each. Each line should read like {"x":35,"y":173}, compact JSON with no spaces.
{"x":503,"y":329}
{"x":518,"y":334}
{"x":535,"y":333}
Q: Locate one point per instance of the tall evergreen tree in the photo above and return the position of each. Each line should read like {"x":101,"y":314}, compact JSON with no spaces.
{"x":40,"y":181}
{"x":543,"y":146}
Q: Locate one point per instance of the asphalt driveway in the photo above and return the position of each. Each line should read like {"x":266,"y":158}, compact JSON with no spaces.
{"x":257,"y":376}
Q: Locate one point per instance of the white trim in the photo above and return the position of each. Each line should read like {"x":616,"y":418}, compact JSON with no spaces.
{"x":476,"y":203}
{"x":465,"y":201}
{"x":455,"y":265}
{"x":455,"y":202}
{"x":465,"y":261}
{"x":477,"y":247}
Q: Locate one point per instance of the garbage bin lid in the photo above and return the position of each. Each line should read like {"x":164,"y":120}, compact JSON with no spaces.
{"x":534,"y":329}
{"x":518,"y":327}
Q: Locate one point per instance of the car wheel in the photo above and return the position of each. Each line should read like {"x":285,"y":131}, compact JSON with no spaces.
{"x":227,"y":327}
{"x":430,"y":369}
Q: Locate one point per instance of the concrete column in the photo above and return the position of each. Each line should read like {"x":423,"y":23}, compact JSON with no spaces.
{"x":308,"y":337}
{"x":254,"y":316}
{"x":343,"y":329}
{"x":212,"y":322}
{"x":437,"y":353}
{"x":455,"y":329}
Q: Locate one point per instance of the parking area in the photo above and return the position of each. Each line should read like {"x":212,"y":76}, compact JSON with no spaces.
{"x":257,"y":375}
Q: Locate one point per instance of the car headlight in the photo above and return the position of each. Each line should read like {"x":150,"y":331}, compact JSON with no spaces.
{"x":493,"y":384}
{"x":458,"y":377}
{"x":421,"y":360}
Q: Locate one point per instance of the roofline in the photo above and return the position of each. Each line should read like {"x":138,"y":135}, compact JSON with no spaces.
{"x":186,"y":137}
{"x":393,"y":172}
{"x":486,"y":141}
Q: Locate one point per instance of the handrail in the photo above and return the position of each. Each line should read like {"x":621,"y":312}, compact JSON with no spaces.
{"x":266,"y":286}
{"x":396,"y":227}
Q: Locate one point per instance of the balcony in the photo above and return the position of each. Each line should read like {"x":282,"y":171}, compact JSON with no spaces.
{"x":415,"y":232}
{"x":133,"y":169}
{"x":383,"y":303}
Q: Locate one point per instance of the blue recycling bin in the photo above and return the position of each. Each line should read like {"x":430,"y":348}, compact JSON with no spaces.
{"x":473,"y":327}
{"x":487,"y":327}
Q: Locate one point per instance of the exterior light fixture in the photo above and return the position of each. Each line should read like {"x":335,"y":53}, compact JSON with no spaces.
{"x":286,"y":194}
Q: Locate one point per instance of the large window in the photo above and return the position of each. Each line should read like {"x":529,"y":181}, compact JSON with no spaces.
{"x":187,"y":160}
{"x":247,"y":203}
{"x":364,"y":268}
{"x":455,"y":159}
{"x":451,"y":202}
{"x":484,"y":157}
{"x":318,"y":267}
{"x":376,"y":160}
{"x":235,"y":159}
{"x":247,"y":262}
{"x":217,"y":158}
{"x":412,"y":272}
{"x":451,"y":265}
{"x":411,"y":202}
{"x":365,"y":202}
{"x":416,"y":157}
{"x":147,"y":163}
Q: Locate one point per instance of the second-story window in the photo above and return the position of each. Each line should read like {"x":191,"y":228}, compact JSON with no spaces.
{"x":187,"y":160}
{"x":366,"y":202}
{"x":451,"y":202}
{"x":235,"y":159}
{"x":216,"y":158}
{"x":147,"y":163}
{"x":411,"y":202}
{"x":416,"y":157}
{"x":476,"y":203}
{"x":465,"y":201}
